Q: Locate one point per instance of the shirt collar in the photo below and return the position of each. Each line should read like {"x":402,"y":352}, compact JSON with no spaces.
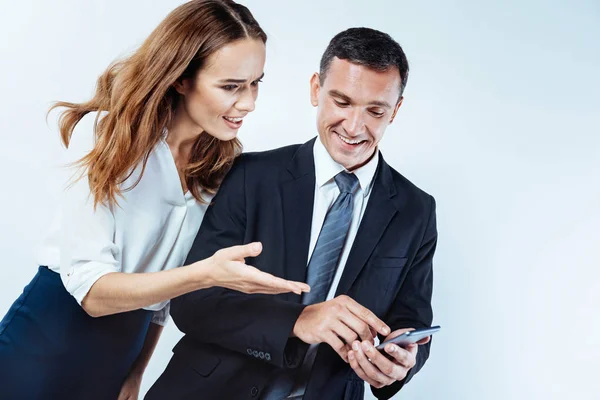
{"x":326,"y":168}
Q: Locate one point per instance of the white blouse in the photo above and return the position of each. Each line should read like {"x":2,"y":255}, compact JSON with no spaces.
{"x":151,"y":229}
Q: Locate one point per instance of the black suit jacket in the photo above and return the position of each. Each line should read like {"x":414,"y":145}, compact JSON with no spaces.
{"x":235,"y":343}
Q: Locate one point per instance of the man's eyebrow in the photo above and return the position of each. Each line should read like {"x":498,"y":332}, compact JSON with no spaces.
{"x":233,"y":80}
{"x":347,"y":99}
{"x":341,"y":95}
{"x":379,"y":103}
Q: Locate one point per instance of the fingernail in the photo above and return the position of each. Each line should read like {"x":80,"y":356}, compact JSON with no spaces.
{"x":391,"y":348}
{"x":256,"y":246}
{"x":355,"y":346}
{"x":350,"y":356}
{"x":366,"y":346}
{"x":385,"y":330}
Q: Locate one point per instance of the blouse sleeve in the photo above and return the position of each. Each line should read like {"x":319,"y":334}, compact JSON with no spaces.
{"x":161,"y":317}
{"x":87,"y":247}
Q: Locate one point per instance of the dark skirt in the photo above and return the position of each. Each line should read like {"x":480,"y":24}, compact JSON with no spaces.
{"x":50,"y":348}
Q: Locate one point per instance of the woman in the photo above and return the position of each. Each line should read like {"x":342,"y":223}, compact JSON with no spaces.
{"x":163,"y":139}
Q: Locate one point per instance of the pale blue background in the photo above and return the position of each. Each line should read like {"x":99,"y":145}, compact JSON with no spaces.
{"x":500,"y":123}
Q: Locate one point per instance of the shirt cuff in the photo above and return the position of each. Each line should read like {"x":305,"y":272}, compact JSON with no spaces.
{"x":78,"y":280}
{"x":161,"y":317}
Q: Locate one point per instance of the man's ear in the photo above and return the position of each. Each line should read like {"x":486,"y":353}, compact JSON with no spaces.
{"x":396,"y":109}
{"x":315,"y":88}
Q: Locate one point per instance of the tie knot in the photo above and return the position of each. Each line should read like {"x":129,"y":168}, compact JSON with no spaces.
{"x":347,"y":183}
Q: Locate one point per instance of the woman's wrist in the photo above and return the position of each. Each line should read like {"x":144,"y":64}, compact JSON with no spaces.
{"x":137,"y":369}
{"x":202,"y":274}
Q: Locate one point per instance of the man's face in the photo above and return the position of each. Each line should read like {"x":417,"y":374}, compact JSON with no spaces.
{"x":355,"y":105}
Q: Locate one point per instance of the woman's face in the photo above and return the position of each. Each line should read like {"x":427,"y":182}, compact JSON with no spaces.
{"x":224,"y":90}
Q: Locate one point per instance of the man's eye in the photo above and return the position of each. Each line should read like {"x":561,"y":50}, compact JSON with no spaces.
{"x":341,"y":103}
{"x":377,"y":114}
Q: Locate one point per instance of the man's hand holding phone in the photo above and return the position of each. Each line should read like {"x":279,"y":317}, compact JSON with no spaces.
{"x":391,"y":364}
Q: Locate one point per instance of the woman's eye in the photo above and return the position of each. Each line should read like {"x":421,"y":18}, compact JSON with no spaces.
{"x":229,"y":87}
{"x":255,"y":83}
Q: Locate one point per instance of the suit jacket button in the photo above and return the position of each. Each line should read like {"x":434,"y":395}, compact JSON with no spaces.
{"x":268,"y":356}
{"x":249,"y":351}
{"x":254,"y":391}
{"x":261,"y":355}
{"x":255,"y":353}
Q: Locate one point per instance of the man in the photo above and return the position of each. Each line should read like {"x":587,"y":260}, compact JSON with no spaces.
{"x":330,"y":212}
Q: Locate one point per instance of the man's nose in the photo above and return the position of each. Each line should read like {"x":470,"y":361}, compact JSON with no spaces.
{"x":354,"y":122}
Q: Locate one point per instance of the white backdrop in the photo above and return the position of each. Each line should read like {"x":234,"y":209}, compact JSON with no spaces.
{"x":500,"y":123}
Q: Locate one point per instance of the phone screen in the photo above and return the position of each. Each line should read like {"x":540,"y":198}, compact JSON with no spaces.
{"x":410,"y":337}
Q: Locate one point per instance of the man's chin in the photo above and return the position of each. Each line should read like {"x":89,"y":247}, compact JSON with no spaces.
{"x":352,"y":162}
{"x":349,"y":163}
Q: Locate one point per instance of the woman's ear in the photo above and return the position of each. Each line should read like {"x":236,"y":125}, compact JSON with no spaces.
{"x":181,"y":85}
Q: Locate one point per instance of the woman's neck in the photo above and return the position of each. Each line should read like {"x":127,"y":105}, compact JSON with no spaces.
{"x":182,"y":132}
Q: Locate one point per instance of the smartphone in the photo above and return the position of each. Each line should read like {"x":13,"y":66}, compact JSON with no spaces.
{"x":410,"y":337}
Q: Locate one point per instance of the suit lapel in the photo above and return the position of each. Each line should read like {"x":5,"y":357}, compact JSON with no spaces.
{"x":378,"y":214}
{"x":298,"y":200}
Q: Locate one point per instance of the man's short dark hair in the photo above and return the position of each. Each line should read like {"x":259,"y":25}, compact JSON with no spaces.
{"x":368,"y":47}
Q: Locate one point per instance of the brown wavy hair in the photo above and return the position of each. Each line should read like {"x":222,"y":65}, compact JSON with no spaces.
{"x":139,"y":99}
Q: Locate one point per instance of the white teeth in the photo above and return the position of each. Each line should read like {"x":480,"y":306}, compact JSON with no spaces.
{"x":348,"y":140}
{"x":234,"y":120}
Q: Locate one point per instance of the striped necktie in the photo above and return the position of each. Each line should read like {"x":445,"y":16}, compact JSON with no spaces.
{"x":326,"y":255}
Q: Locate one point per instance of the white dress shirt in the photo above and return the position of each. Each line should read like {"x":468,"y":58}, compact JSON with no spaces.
{"x":326,"y":191}
{"x":151,"y":229}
